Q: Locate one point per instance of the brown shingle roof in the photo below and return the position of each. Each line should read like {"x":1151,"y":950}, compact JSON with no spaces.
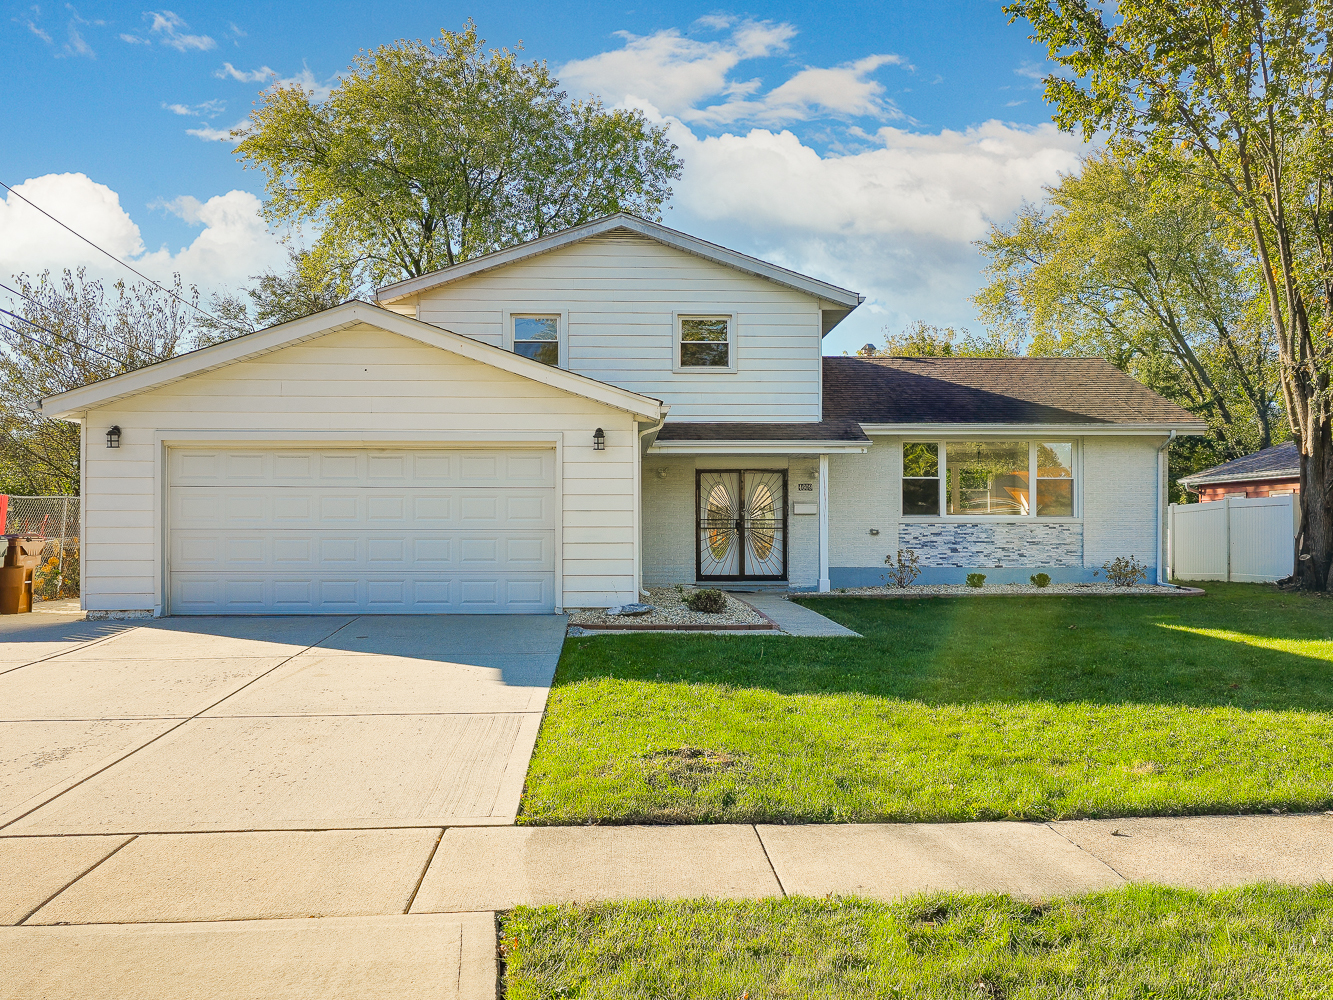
{"x":825,"y":430}
{"x":991,"y":391}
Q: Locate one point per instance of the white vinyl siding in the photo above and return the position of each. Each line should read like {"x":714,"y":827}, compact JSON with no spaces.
{"x":621,"y":296}
{"x":361,"y":387}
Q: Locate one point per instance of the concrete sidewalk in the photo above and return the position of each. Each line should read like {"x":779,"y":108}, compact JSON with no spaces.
{"x":794,"y":619}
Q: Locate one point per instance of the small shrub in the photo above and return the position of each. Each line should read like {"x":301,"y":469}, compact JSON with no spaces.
{"x":707,"y":602}
{"x":1041,"y":579}
{"x":905,"y":570}
{"x":976,"y":579}
{"x":1125,"y":571}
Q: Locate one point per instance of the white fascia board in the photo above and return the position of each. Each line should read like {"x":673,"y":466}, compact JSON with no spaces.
{"x":351,"y":314}
{"x":1031,"y":430}
{"x":651,"y":230}
{"x":759,"y":448}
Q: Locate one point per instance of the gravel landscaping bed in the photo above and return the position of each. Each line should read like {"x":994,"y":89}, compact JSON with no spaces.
{"x":1002,"y":589}
{"x":671,"y":611}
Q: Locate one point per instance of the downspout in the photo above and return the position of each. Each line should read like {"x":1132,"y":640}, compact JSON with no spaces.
{"x":1161,"y":512}
{"x":638,"y":500}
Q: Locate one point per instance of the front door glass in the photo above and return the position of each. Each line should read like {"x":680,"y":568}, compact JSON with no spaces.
{"x":742,"y":524}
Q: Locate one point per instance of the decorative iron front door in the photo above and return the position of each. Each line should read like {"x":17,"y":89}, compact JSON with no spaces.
{"x":742,"y":524}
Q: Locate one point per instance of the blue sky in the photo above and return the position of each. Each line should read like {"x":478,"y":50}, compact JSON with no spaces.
{"x":868,"y":144}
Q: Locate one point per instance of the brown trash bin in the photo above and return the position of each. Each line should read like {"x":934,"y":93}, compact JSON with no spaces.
{"x":22,"y":555}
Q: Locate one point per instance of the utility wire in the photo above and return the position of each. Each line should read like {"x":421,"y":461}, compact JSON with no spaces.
{"x":54,"y":334}
{"x":110,"y":254}
{"x":38,"y":302}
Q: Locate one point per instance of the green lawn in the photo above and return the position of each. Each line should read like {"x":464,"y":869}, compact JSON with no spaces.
{"x":1138,"y":942}
{"x":952,"y":709}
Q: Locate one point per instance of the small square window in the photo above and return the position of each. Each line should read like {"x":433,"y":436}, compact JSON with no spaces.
{"x":538,"y":338}
{"x":705,"y":342}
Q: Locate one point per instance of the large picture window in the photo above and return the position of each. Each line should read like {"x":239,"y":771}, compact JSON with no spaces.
{"x":1001,"y":479}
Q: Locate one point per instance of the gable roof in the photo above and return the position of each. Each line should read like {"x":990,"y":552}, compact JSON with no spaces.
{"x":343,"y":317}
{"x":1282,"y":461}
{"x":987,"y":391}
{"x":626,"y":223}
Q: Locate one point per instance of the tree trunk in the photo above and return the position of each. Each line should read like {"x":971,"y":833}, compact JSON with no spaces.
{"x":1314,"y":556}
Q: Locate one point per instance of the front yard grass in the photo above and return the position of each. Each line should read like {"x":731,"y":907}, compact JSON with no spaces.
{"x":951,"y":709}
{"x":1139,"y":941}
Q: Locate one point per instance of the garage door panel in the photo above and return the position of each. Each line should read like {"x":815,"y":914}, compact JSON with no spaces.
{"x":294,"y":467}
{"x":416,"y":593}
{"x":193,"y":551}
{"x":204,"y":507}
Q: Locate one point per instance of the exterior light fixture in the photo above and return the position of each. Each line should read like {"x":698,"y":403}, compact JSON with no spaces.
{"x":113,"y":437}
{"x":599,"y":440}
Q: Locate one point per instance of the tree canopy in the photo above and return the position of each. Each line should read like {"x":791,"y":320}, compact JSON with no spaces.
{"x":925,"y":340}
{"x":71,"y":330}
{"x":1127,"y":262}
{"x":428,"y":153}
{"x":1237,"y":95}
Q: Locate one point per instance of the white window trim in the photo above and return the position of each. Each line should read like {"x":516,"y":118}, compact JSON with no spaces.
{"x":562,"y":330}
{"x":732,"y":327}
{"x":1029,"y":518}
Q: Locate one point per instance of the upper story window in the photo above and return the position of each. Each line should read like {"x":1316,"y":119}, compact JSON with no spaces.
{"x":704,"y":342}
{"x":538,"y":338}
{"x":988,"y":479}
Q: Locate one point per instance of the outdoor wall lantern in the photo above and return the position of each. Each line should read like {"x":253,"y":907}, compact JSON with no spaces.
{"x":113,"y":437}
{"x":599,"y":440}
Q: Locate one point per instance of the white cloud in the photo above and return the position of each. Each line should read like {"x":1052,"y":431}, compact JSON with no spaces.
{"x":682,"y":76}
{"x":305,"y":80}
{"x":674,"y":73}
{"x":208,"y":109}
{"x":233,"y":243}
{"x":167,"y":26}
{"x":30,"y":21}
{"x":896,"y":221}
{"x":210,"y":134}
{"x":134,"y":39}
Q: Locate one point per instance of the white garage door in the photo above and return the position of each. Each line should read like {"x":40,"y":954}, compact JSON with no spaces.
{"x":329,"y":531}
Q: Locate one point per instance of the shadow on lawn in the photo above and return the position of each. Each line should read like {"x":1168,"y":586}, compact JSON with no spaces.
{"x":1245,"y":645}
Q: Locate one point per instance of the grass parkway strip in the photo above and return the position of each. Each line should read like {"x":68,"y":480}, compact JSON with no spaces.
{"x":1140,"y":941}
{"x":952,"y":709}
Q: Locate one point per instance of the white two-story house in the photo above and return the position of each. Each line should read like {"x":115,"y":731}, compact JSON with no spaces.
{"x":562,"y":423}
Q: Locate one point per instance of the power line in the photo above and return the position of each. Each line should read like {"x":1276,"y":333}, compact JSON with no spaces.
{"x":54,"y":334}
{"x":110,"y":254}
{"x":38,"y":302}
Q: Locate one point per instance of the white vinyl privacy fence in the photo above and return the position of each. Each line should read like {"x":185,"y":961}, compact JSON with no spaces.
{"x":1241,"y":539}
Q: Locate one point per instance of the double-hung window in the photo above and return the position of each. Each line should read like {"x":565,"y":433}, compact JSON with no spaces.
{"x":538,"y":338}
{"x":983,"y":479}
{"x":704,"y":342}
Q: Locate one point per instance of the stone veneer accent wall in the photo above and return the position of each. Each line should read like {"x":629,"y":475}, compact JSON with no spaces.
{"x":968,"y":544}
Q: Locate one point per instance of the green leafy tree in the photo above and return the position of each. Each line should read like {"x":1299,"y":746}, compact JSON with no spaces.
{"x":273,"y":298}
{"x":74,"y":331}
{"x":1240,"y":92}
{"x":431,"y":153}
{"x":1136,"y":265}
{"x":924,"y":340}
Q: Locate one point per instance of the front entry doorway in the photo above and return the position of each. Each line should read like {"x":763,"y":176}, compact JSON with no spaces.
{"x":741,"y":519}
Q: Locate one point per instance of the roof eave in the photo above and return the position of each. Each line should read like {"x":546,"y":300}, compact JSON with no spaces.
{"x":1251,"y":477}
{"x":760,"y":447}
{"x":1093,"y":429}
{"x":73,"y":403}
{"x":671,"y":237}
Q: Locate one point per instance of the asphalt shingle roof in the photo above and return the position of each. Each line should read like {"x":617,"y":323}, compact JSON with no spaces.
{"x":1278,"y":462}
{"x":991,"y":391}
{"x":824,"y":430}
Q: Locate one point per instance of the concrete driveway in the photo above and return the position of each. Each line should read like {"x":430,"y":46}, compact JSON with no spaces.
{"x":218,"y":724}
{"x":196,"y":770}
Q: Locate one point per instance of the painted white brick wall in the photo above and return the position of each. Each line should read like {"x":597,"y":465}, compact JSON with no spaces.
{"x":864,"y":493}
{"x":668,"y":518}
{"x":1119,"y":505}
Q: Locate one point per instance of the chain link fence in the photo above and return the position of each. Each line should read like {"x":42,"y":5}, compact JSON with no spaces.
{"x":55,"y":519}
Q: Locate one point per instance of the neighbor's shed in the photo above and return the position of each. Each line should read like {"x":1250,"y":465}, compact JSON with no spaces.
{"x":1269,"y":472}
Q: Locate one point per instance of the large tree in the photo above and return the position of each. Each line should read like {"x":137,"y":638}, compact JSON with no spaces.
{"x":1242,"y":92}
{"x":430,"y":153}
{"x":276,"y":297}
{"x":1127,"y":262}
{"x":64,"y":332}
{"x":926,"y":340}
